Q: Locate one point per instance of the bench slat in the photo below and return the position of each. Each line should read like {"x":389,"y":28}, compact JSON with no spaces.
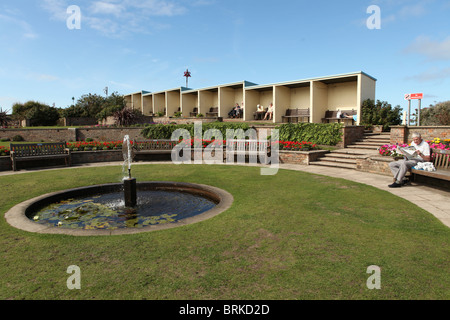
{"x":441,"y":163}
{"x":38,"y":151}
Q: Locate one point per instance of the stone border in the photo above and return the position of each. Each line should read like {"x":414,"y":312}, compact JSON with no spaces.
{"x":17,"y":218}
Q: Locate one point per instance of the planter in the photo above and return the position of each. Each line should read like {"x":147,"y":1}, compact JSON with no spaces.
{"x":301,"y":157}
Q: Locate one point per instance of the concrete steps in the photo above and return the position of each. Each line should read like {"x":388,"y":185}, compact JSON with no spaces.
{"x":346,"y":158}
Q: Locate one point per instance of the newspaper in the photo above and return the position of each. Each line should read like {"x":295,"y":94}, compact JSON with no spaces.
{"x":409,"y":152}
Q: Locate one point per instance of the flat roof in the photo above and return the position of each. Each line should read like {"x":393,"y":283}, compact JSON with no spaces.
{"x":344,"y":77}
{"x":181,"y":89}
{"x":327,"y":79}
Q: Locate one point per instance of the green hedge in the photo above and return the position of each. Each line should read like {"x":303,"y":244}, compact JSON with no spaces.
{"x":318,"y":133}
{"x":164,"y":131}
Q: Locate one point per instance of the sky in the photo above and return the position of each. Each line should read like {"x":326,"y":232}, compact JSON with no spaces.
{"x":53,"y":50}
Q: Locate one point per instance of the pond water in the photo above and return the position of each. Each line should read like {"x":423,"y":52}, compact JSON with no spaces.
{"x":107,"y":211}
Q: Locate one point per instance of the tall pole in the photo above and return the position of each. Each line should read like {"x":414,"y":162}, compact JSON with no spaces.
{"x":418,"y":113}
{"x":409,"y":112}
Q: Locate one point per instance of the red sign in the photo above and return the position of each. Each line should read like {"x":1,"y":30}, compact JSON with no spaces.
{"x":413,"y":96}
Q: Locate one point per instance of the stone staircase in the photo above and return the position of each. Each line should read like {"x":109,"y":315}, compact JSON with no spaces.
{"x":346,"y":158}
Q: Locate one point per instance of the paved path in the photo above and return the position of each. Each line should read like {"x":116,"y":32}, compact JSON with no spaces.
{"x":433,"y":200}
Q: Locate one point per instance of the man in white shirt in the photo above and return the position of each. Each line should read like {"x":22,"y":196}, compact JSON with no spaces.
{"x":401,"y":167}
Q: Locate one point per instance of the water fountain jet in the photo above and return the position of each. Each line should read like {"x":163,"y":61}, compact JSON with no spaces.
{"x":129,"y":184}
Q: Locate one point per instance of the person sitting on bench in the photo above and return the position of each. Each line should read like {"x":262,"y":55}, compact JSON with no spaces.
{"x":234,"y":113}
{"x":269,"y":112}
{"x":401,"y":167}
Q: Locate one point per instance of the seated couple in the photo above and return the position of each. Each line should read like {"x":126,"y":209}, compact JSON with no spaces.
{"x":236,"y":112}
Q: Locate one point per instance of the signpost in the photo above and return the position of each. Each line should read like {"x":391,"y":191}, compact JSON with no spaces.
{"x":414,"y":96}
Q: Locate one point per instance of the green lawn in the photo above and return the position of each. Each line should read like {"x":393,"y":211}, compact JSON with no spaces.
{"x":290,"y":236}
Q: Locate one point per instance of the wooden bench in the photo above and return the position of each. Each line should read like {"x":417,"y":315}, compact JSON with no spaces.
{"x":213,"y":112}
{"x":293,"y":115}
{"x":39,"y":151}
{"x":194,"y":112}
{"x":153,"y":147}
{"x":332,"y":116}
{"x":441,"y":161}
{"x":248,"y":148}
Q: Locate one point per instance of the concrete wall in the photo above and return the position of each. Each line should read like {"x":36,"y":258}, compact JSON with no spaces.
{"x":282,"y":102}
{"x":159,"y":102}
{"x":319,"y":101}
{"x":342,"y":96}
{"x":173,"y":102}
{"x":208,"y":99}
{"x":228,"y":97}
{"x":189,"y":101}
{"x":136,"y":99}
{"x":147,"y":105}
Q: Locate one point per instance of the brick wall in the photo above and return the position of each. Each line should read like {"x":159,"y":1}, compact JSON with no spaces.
{"x":80,"y":157}
{"x":403,"y":134}
{"x":108,"y":134}
{"x":377,"y":164}
{"x":300,"y":157}
{"x":38,"y":135}
{"x":5,"y":163}
{"x":350,"y":134}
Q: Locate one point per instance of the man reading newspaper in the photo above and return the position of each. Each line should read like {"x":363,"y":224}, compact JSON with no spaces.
{"x":419,"y":151}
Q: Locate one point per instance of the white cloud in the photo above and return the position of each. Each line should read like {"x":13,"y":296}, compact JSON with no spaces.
{"x":57,"y":8}
{"x":432,"y":49}
{"x":42,"y":77}
{"x":100,"y":7}
{"x":431,"y":75}
{"x":157,"y":7}
{"x":24,"y":27}
{"x":117,"y":18}
{"x":121,"y":85}
{"x":415,"y":10}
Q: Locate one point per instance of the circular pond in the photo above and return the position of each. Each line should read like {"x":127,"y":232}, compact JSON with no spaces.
{"x":100,"y":210}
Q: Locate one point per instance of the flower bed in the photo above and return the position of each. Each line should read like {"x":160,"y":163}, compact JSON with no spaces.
{"x":114,"y":145}
{"x":4,"y":151}
{"x":94,"y":145}
{"x":390,"y":150}
{"x":297,"y":146}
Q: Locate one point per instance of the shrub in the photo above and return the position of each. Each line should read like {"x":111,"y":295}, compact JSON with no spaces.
{"x":17,"y":138}
{"x":4,"y":119}
{"x":40,"y":114}
{"x":437,"y":115}
{"x":127,"y":117}
{"x":162,"y":131}
{"x":380,"y":113}
{"x":316,"y":133}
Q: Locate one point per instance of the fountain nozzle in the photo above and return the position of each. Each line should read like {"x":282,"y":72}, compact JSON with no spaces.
{"x":129,"y":173}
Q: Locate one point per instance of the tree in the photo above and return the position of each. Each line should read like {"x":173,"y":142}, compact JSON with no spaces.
{"x":380,"y":113}
{"x":112,"y":104}
{"x":38,"y":113}
{"x":127,"y":116}
{"x":436,"y":115}
{"x":95,"y":106}
{"x":4,"y":119}
{"x":91,"y":104}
